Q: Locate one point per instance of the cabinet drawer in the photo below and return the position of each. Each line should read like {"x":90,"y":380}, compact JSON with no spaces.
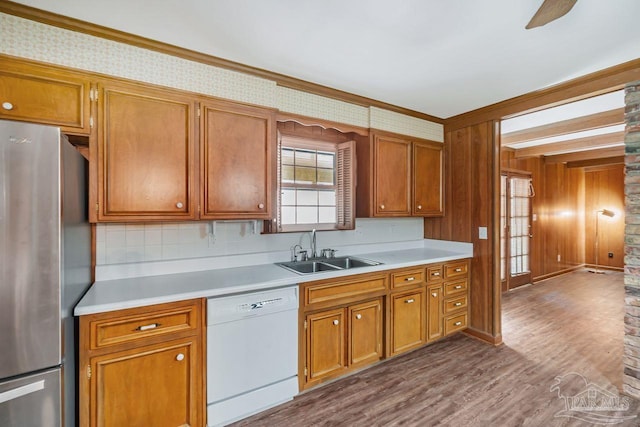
{"x":455,"y":269}
{"x":455,"y":323}
{"x":434,"y":273}
{"x":332,"y":291}
{"x":407,"y":278}
{"x":456,"y":287}
{"x":455,"y":304}
{"x":131,"y":325}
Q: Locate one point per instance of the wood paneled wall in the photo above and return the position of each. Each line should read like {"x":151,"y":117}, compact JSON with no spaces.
{"x":562,"y":219}
{"x":604,"y":188}
{"x":472,"y":180}
{"x":558,"y":209}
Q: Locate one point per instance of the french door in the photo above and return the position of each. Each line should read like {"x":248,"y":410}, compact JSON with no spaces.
{"x":516,"y":191}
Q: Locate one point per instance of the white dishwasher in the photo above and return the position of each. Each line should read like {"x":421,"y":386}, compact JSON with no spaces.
{"x":252,"y":353}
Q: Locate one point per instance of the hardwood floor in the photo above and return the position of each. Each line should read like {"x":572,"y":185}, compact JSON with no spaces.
{"x":568,"y":324}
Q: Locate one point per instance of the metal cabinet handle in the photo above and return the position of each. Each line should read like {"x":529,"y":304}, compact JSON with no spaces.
{"x":261,"y":206}
{"x":381,"y":206}
{"x":336,"y":322}
{"x":434,"y":294}
{"x":409,"y":279}
{"x":7,"y":106}
{"x":458,"y":270}
{"x":409,"y":301}
{"x":457,"y":323}
{"x":180,"y":357}
{"x":458,"y":287}
{"x":179,"y":205}
{"x":435,"y":273}
{"x":458,"y":304}
{"x":419,"y":207}
{"x":147,"y":327}
{"x":358,"y":316}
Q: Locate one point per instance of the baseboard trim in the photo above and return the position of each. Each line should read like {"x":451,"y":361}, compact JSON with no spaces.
{"x":483,"y":336}
{"x":603,"y":267}
{"x":557,"y":273}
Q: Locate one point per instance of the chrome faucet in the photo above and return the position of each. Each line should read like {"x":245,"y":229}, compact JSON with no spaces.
{"x":314,"y":252}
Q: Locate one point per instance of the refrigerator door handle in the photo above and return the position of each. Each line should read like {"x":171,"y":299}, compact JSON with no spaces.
{"x":21,"y":391}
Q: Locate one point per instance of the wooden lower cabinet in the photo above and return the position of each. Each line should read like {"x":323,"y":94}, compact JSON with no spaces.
{"x":342,"y":339}
{"x":365,"y":333}
{"x":147,"y":386}
{"x":156,"y":379}
{"x":434,"y":312}
{"x":407,"y":321}
{"x":325,"y":344}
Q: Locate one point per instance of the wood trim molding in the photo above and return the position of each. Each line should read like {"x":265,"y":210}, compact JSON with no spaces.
{"x":537,"y":279}
{"x":325,"y":124}
{"x":592,"y":121}
{"x":597,"y":83}
{"x":602,"y":153}
{"x":572,"y":145}
{"x":77,"y":25}
{"x":483,"y":336}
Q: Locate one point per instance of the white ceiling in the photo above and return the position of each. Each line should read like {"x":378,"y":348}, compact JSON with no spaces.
{"x":437,"y":57}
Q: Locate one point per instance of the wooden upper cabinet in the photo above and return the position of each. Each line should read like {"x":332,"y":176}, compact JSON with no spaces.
{"x":428,"y":179}
{"x":237,"y":161}
{"x":146,"y":165}
{"x":392,"y":165}
{"x":398,"y":176}
{"x":46,"y":95}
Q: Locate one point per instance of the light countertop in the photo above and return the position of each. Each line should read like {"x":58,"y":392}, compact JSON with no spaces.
{"x":110,"y":295}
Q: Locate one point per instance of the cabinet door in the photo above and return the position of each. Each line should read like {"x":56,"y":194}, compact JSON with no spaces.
{"x":237,"y":161}
{"x":33,"y":93}
{"x":365,"y":333}
{"x":392,"y":177}
{"x":325,"y":344}
{"x":434,"y":312}
{"x":408,"y":321}
{"x":428,"y":183}
{"x":148,"y":386}
{"x":146,"y":155}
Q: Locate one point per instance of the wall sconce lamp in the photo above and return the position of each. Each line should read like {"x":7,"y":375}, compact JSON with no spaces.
{"x":610,"y":214}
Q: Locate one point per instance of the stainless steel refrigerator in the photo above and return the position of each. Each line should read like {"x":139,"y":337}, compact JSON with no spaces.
{"x":45,"y":257}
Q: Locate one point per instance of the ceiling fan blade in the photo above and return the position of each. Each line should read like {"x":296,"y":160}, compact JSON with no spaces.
{"x":550,"y":11}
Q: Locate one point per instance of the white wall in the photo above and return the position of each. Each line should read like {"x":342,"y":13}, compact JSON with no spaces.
{"x":131,"y":243}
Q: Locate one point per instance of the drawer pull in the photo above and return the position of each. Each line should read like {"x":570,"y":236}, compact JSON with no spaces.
{"x":435,"y":273}
{"x":180,"y":357}
{"x":410,"y":300}
{"x":458,"y":270}
{"x":179,"y":205}
{"x":409,"y":279}
{"x":419,"y":207}
{"x":261,"y":206}
{"x":358,"y":316}
{"x":7,"y":106}
{"x":336,"y":322}
{"x":147,"y":327}
{"x":458,"y":287}
{"x":457,"y":323}
{"x":458,"y":304}
{"x":434,"y":294}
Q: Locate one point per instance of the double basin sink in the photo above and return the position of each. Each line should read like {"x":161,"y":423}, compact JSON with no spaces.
{"x":327,"y":264}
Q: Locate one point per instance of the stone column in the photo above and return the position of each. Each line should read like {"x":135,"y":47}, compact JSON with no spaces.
{"x":631,"y":362}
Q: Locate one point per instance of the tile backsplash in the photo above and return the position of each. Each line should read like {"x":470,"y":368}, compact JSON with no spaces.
{"x":133,"y":243}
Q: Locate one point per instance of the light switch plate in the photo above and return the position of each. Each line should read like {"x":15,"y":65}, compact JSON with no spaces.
{"x":482,"y":233}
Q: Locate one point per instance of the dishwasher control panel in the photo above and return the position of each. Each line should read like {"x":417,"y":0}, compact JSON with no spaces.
{"x":234,"y":307}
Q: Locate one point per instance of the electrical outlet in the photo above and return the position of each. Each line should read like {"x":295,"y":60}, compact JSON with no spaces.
{"x":558,"y":257}
{"x":610,"y":254}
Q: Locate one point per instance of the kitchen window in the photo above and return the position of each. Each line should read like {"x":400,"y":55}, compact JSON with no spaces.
{"x":316,"y":184}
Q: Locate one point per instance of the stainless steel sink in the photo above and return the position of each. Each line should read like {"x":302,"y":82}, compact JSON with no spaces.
{"x":326,"y":264}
